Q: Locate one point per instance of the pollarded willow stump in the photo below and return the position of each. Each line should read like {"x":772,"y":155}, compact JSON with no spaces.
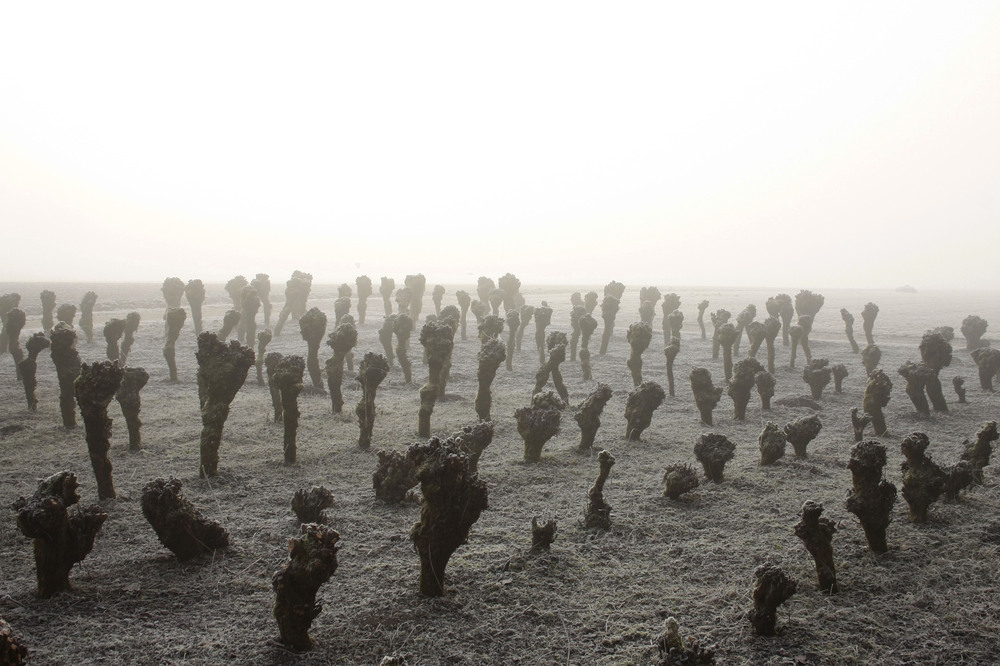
{"x":385,"y":337}
{"x":588,"y":416}
{"x":868,"y":315}
{"x":235,"y":288}
{"x":438,"y":339}
{"x":341,"y":308}
{"x":543,"y":317}
{"x":312,"y":326}
{"x":772,"y":588}
{"x":802,"y":431}
{"x":464,"y":302}
{"x":178,"y":524}
{"x":341,"y":340}
{"x":638,"y":336}
{"x":923,"y":480}
{"x":988,"y":361}
{"x":671,"y":351}
{"x":29,"y":366}
{"x":262,"y":285}
{"x":490,"y":328}
{"x":727,"y":336}
{"x":974,"y":328}
{"x":60,"y":536}
{"x":587,"y":327}
{"x":556,"y":344}
{"x":772,"y":326}
{"x":671,"y":303}
{"x":978,"y":453}
{"x":132,"y":320}
{"x":706,"y":395}
{"x":816,"y":534}
{"x":404,"y":297}
{"x":288,"y":379}
{"x":491,"y":354}
{"x":839,"y":372}
{"x":741,"y":385}
{"x":648,"y":298}
{"x":67,"y":362}
{"x":959,"y":384}
{"x":249,"y":307}
{"x":796,"y":334}
{"x":312,"y":559}
{"x":263,"y":340}
{"x":598,"y":513}
{"x":872,"y":497}
{"x":393,"y":478}
{"x":309,"y":506}
{"x":870,"y":358}
{"x":743,"y":320}
{"x":609,"y":310}
{"x":484,"y":286}
{"x":175,"y":322}
{"x":719,"y":317}
{"x":403,"y":328}
{"x":13,"y":651}
{"x":590,"y":300}
{"x":817,"y":374}
{"x":173,"y":290}
{"x":679,"y":479}
{"x":449,"y":316}
{"x":538,"y":423}
{"x":542,"y":534}
{"x":87,"y":304}
{"x":194,"y":291}
{"x":673,"y":323}
{"x":230,"y":321}
{"x":48,"y":298}
{"x":66,"y":313}
{"x":675,"y":651}
{"x":364,"y":285}
{"x":114,"y":329}
{"x":437,"y":297}
{"x":526,"y":312}
{"x":453,"y":498}
{"x":513,"y":319}
{"x":511,"y":287}
{"x":13,"y":323}
{"x":385,"y":289}
{"x":713,"y":451}
{"x":639,"y":408}
{"x":780,"y":307}
{"x":702,"y":306}
{"x":372,"y":369}
{"x":849,"y":329}
{"x":495,"y":301}
{"x":473,"y":440}
{"x":133,"y":381}
{"x":935,"y":351}
{"x":271,"y":362}
{"x":859,"y":421}
{"x":764,"y":381}
{"x":772,"y":444}
{"x":755,"y":335}
{"x":297,"y":289}
{"x":916,"y":375}
{"x":614,"y":288}
{"x":877,"y":394}
{"x":222,"y":369}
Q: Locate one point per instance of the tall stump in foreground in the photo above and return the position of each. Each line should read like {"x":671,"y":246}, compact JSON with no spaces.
{"x":222,"y":369}
{"x":312,"y":559}
{"x":94,"y":388}
{"x":288,"y":379}
{"x":133,"y":380}
{"x":453,"y":498}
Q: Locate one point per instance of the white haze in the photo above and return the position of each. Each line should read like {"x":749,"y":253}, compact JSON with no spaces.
{"x":805,"y":144}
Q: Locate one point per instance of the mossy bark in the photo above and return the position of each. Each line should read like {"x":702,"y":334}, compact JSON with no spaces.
{"x":312,"y":560}
{"x":178,"y":524}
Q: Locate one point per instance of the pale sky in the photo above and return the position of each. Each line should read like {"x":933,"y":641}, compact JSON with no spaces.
{"x":807,"y":144}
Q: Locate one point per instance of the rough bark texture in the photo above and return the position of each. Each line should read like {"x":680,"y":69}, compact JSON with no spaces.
{"x":341,"y":340}
{"x":271,"y":362}
{"x":870,"y":358}
{"x":133,"y":381}
{"x":60,"y":536}
{"x":916,"y":375}
{"x":978,"y":453}
{"x":394,"y":476}
{"x":877,"y":394}
{"x":765,"y":381}
{"x":87,"y":304}
{"x":923,"y":480}
{"x":371,"y":371}
{"x":312,"y":559}
{"x":94,"y":389}
{"x":868,"y":315}
{"x":741,"y":385}
{"x":222,"y":369}
{"x":175,"y":321}
{"x":935,"y":351}
{"x":543,"y":317}
{"x":538,"y":423}
{"x":817,"y":374}
{"x":859,"y":421}
{"x":816,"y":534}
{"x":679,"y":479}
{"x":772,"y":589}
{"x":719,"y":317}
{"x":67,"y":362}
{"x":309,"y":506}
{"x":988,"y":360}
{"x":402,"y":326}
{"x":588,"y":416}
{"x":556,"y":344}
{"x":802,"y":431}
{"x":598,"y":513}
{"x":609,"y":310}
{"x":297,"y":290}
{"x":473,"y":440}
{"x":871,"y":499}
{"x":974,"y":328}
{"x":587,"y":327}
{"x":453,"y":498}
{"x":263,"y":340}
{"x":638,"y":336}
{"x":772,"y":444}
{"x":713,"y":451}
{"x":178,"y":524}
{"x":288,"y":378}
{"x":671,"y":351}
{"x":639,"y":408}
{"x":438,"y":339}
{"x":194,"y":291}
{"x":28,"y":367}
{"x":706,"y":396}
{"x":491,"y":354}
{"x":114,"y":329}
{"x":132,"y":320}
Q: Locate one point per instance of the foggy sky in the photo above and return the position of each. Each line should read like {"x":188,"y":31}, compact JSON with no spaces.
{"x":854,"y":145}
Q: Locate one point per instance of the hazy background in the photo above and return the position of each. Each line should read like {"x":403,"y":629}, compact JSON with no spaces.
{"x":810,"y":144}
